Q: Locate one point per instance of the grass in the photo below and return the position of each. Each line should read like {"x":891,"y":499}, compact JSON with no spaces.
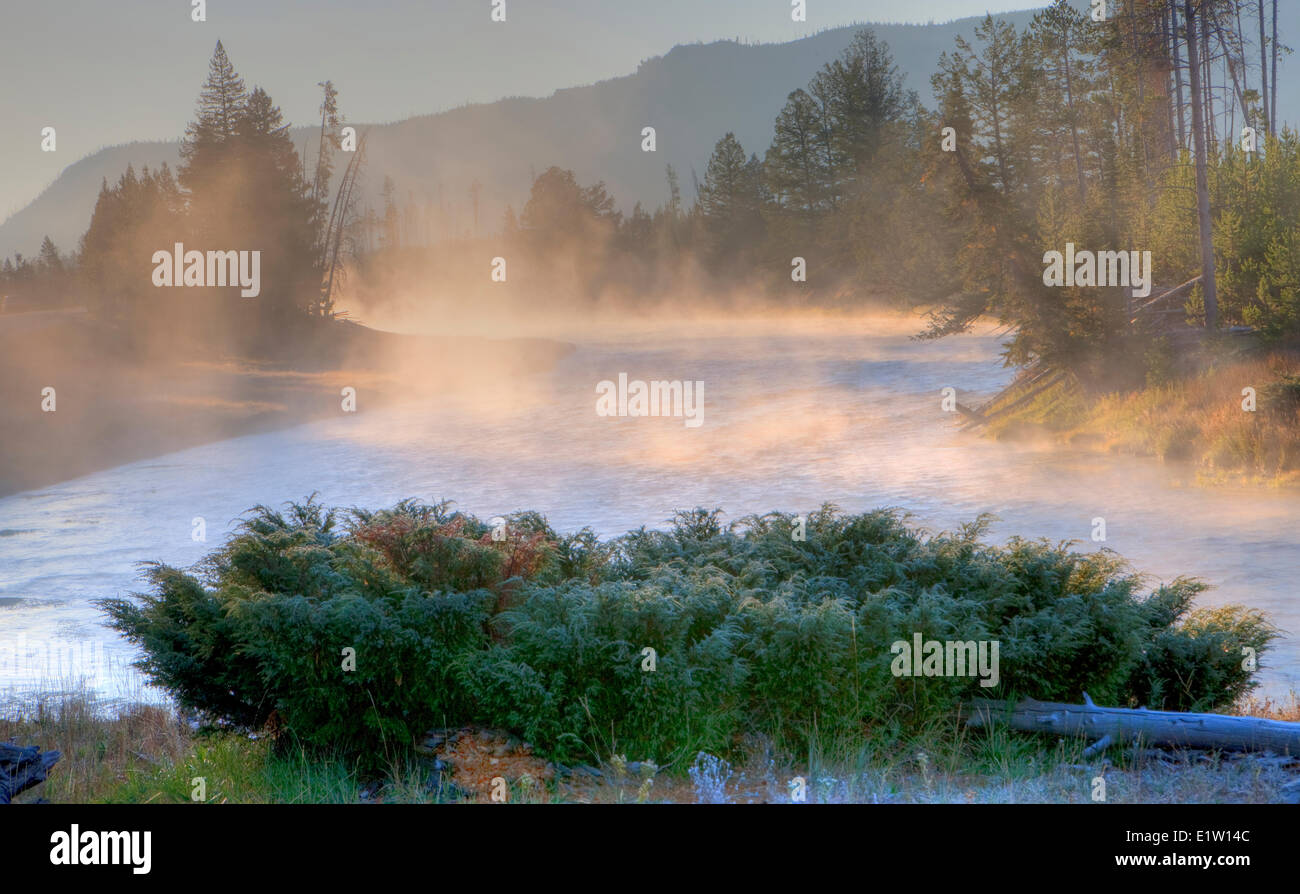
{"x":147,"y":754}
{"x":1197,"y":420}
{"x":144,"y":753}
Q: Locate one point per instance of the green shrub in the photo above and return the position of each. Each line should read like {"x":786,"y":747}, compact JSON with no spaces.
{"x":753,"y":630}
{"x":1281,"y":397}
{"x":1195,"y":658}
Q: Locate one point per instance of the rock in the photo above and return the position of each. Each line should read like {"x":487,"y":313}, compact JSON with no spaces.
{"x":369,"y":792}
{"x":434,"y":740}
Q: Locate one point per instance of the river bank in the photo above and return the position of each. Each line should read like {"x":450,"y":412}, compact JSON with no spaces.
{"x":1233,"y":420}
{"x":147,"y":754}
{"x":109,"y":407}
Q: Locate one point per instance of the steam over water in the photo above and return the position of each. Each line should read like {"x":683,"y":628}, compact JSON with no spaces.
{"x":847,"y":413}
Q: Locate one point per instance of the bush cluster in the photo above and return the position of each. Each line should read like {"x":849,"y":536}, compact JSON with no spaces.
{"x":754,"y":631}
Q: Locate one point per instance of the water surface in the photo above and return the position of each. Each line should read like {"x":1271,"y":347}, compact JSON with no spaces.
{"x":794,"y":416}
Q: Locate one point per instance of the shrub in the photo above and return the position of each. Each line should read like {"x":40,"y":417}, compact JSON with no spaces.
{"x":753,"y":631}
{"x":1194,"y":659}
{"x":1281,"y":397}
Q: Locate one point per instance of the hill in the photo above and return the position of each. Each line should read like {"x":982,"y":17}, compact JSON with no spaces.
{"x":692,"y":96}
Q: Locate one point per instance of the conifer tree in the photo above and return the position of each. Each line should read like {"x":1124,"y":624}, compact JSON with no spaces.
{"x":49,"y":257}
{"x":219,"y":110}
{"x":731,"y":200}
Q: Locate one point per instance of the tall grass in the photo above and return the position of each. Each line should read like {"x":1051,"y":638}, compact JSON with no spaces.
{"x":1197,"y":418}
{"x":133,"y":754}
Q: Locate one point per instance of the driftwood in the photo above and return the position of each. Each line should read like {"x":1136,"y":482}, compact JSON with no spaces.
{"x":22,"y":768}
{"x":1128,"y":724}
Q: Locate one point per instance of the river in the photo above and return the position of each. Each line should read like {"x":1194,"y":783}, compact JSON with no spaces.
{"x":794,"y":415}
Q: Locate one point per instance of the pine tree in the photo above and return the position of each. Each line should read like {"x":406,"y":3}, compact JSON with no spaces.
{"x":245,"y":187}
{"x":859,"y":94}
{"x":990,"y":79}
{"x":798,"y":163}
{"x":1060,"y":34}
{"x":220,"y":107}
{"x":48,"y":258}
{"x":273,"y":207}
{"x":731,"y":200}
{"x":131,"y":219}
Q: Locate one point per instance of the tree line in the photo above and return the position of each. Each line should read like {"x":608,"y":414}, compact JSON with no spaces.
{"x":1154,"y":128}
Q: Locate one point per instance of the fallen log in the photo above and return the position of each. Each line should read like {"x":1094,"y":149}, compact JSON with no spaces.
{"x":1128,"y":724}
{"x":1037,"y":385}
{"x":22,"y":768}
{"x":1024,"y":380}
{"x":1163,"y":296}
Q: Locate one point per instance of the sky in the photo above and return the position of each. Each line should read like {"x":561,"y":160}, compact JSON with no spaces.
{"x":104,"y":72}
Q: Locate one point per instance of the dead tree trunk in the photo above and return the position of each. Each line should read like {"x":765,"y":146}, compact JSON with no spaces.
{"x":1200,"y":140}
{"x":338,"y":223}
{"x":1127,"y":724}
{"x":1263,"y":69}
{"x":1272,"y":126}
{"x":1178,"y":77}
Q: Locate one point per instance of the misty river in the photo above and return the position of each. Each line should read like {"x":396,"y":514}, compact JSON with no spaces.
{"x":794,"y":415}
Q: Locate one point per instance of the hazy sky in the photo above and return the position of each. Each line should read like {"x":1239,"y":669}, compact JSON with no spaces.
{"x":103,"y":72}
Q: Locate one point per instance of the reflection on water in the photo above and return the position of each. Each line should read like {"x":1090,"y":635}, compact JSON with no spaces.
{"x":792,"y":419}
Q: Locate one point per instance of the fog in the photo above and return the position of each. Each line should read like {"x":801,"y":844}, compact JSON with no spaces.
{"x":800,"y":408}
